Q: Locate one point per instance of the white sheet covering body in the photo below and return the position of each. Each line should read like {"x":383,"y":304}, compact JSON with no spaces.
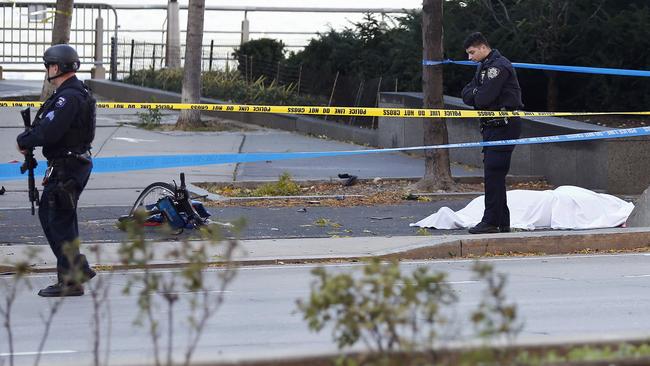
{"x":566,"y":207}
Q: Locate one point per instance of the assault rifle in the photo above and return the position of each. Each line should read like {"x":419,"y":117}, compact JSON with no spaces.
{"x":30,"y":163}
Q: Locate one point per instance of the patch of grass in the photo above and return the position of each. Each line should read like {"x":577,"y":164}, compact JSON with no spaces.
{"x":423,"y":231}
{"x":283,"y":187}
{"x":586,"y":354}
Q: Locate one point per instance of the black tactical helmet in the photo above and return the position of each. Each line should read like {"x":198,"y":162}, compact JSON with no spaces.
{"x":64,"y":56}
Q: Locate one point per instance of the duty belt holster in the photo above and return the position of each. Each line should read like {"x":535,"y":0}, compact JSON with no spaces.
{"x":495,"y":122}
{"x":64,"y":193}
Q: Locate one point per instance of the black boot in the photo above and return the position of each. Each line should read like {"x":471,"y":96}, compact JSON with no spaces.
{"x":484,"y":228}
{"x":87,"y":273}
{"x":60,"y":289}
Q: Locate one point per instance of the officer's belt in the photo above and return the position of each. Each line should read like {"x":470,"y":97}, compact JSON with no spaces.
{"x":84,"y":157}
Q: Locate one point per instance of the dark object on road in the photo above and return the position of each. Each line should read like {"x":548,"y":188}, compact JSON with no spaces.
{"x":411,"y":197}
{"x":350,"y":179}
{"x":30,"y":163}
{"x":163,"y":202}
{"x":2,"y":190}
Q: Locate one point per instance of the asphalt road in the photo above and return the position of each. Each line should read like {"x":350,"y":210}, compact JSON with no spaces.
{"x":559,"y":299}
{"x":97,"y":224}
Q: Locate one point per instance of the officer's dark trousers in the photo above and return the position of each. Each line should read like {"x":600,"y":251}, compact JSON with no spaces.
{"x":496,"y":165}
{"x":58,"y":214}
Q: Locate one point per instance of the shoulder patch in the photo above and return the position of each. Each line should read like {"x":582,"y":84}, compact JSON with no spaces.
{"x":60,"y":102}
{"x":492,"y":72}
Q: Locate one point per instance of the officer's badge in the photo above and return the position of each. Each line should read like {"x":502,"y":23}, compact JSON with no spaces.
{"x":492,"y":72}
{"x":60,"y":102}
{"x":482,"y":76}
{"x":50,"y":116}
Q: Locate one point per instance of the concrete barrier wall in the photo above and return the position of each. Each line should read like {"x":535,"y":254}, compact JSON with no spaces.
{"x":616,"y":166}
{"x":304,"y":124}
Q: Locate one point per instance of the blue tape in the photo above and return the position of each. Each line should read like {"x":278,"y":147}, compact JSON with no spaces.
{"x":562,"y":68}
{"x":11,"y":171}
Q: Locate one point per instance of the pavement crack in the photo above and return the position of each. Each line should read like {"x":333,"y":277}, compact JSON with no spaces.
{"x":241,"y":147}
{"x":107,"y":140}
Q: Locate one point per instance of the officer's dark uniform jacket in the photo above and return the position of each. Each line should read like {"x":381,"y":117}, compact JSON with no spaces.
{"x":495,"y":87}
{"x":65,"y":123}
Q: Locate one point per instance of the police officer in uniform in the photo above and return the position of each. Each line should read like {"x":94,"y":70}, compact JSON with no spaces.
{"x":494,"y":87}
{"x":65,"y":127}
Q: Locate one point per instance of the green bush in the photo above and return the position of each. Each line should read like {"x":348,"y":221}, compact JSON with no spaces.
{"x":150,"y":119}
{"x":262,"y":51}
{"x":226,"y":85}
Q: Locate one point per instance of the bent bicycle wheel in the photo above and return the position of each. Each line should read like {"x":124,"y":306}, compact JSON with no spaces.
{"x":151,"y":195}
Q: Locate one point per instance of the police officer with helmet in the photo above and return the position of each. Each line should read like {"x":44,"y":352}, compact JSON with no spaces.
{"x":495,"y":88}
{"x":65,"y":127}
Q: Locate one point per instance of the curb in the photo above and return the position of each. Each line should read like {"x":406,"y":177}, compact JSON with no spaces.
{"x":542,"y":243}
{"x":565,"y":242}
{"x":452,"y":352}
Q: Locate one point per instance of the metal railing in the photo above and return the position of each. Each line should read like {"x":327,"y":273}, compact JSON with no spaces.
{"x":26,"y":32}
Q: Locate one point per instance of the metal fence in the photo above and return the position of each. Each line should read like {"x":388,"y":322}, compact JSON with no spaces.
{"x":133,"y":55}
{"x":26,"y":31}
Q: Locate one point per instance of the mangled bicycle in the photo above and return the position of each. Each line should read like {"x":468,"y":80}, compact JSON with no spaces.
{"x":164,"y":203}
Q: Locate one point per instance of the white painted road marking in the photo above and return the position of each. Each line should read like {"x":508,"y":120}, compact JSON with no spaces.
{"x":36,"y":353}
{"x":129,"y":139}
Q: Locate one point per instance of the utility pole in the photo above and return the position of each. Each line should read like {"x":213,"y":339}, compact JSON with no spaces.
{"x":173,"y":49}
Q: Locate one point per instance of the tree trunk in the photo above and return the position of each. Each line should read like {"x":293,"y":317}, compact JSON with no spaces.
{"x":437,"y":173}
{"x":552,"y":91}
{"x":60,"y":34}
{"x":192,"y":70}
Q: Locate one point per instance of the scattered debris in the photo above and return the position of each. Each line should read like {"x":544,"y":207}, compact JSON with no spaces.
{"x":301,"y":210}
{"x":322,"y":222}
{"x":374,"y":192}
{"x":350,"y":180}
{"x":380,"y":218}
{"x":410,"y":197}
{"x":2,"y":190}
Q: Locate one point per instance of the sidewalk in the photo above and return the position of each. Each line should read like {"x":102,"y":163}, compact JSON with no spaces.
{"x":20,"y":88}
{"x":314,"y":250}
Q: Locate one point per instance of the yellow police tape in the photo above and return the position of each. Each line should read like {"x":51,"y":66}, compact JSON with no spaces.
{"x":335,"y":111}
